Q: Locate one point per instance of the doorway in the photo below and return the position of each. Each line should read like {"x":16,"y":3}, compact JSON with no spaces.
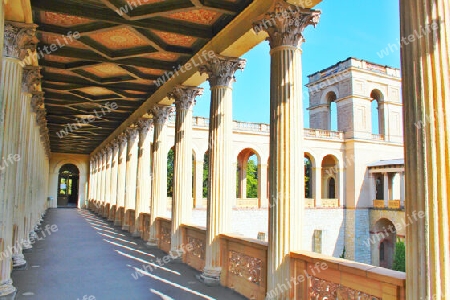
{"x":68,"y":181}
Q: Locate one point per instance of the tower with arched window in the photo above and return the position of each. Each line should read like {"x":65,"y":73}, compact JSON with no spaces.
{"x":359,"y":98}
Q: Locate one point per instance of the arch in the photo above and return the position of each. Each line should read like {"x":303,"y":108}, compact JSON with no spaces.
{"x":330,"y":175}
{"x":385,"y":238}
{"x":247,"y":183}
{"x":68,"y":188}
{"x":326,"y":92}
{"x":377,"y":112}
{"x":331,"y":98}
{"x":308,"y":176}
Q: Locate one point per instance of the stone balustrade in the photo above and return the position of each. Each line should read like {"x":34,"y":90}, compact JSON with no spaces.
{"x":163,"y":227}
{"x":324,"y":134}
{"x":316,"y":276}
{"x":378,"y":137}
{"x":195,"y":237}
{"x":310,"y":203}
{"x":394,"y":204}
{"x":378,"y":203}
{"x":244,"y":265}
{"x":144,"y":219}
{"x":247,"y":202}
{"x":330,"y":203}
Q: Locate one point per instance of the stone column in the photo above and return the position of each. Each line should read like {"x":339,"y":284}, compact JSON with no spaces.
{"x":98,"y":187}
{"x":108,"y":155}
{"x":285,"y":25}
{"x":198,"y":183}
{"x":158,"y":201}
{"x":18,"y":37}
{"x":103,"y":184}
{"x":144,"y":175}
{"x":340,"y":186}
{"x":243,"y":177}
{"x":317,"y":171}
{"x":386,"y":188}
{"x":113,"y":180}
{"x":130,"y":190}
{"x":221,"y":193}
{"x":121,"y":177}
{"x":182,"y":176}
{"x":91,"y":178}
{"x":402,"y":189}
{"x":262,"y":185}
{"x":426,"y":105}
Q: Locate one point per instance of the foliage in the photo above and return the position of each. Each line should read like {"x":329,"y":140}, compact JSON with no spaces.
{"x":170,"y":170}
{"x":399,"y":258}
{"x":343,"y":253}
{"x":308,"y":170}
{"x":252,"y":179}
{"x":205,"y":175}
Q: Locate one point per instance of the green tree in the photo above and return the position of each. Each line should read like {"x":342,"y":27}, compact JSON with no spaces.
{"x":170,"y":170}
{"x":205,"y":175}
{"x":252,"y":179}
{"x":399,"y":258}
{"x":308,"y":168}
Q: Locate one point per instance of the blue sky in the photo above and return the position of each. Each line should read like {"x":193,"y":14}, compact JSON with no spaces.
{"x":356,"y":28}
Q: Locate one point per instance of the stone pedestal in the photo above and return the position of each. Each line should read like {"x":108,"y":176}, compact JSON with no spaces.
{"x":158,"y":202}
{"x":285,"y":24}
{"x":182,"y":179}
{"x":220,"y":72}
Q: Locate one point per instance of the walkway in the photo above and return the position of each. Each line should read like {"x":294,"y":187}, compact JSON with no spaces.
{"x":85,"y":256}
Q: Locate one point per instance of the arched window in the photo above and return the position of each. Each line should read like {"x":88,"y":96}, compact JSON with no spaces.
{"x":331,"y":188}
{"x":333,"y":113}
{"x":377,"y":112}
{"x":308,"y":177}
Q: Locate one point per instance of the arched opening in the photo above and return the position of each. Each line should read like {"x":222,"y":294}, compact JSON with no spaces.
{"x":308,"y":177}
{"x":247,"y":182}
{"x":384,"y":243}
{"x":331,"y":188}
{"x":333,"y":113}
{"x":377,"y":112}
{"x":330,"y":173}
{"x":68,"y":186}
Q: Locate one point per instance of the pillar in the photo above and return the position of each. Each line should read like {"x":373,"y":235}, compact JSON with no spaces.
{"x":285,"y":25}
{"x":182,"y":176}
{"x":18,"y":37}
{"x":104,"y":154}
{"x":402,"y":189}
{"x":243,"y":177}
{"x":143,"y":176}
{"x":130,"y":182}
{"x":198,"y":182}
{"x":262,"y":186}
{"x":426,"y":93}
{"x":317,"y":186}
{"x":220,"y":72}
{"x":99,"y":180}
{"x":109,"y":151}
{"x":113,"y":180}
{"x":121,"y":176}
{"x":158,"y":202}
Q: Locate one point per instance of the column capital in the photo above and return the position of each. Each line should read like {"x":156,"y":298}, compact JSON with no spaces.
{"x":161,"y":113}
{"x":185,"y":96}
{"x":144,"y":124}
{"x":285,"y":24}
{"x":37,"y":100}
{"x":221,"y":69}
{"x":132,"y":133}
{"x":122,"y":139}
{"x":40,"y":116}
{"x":109,"y":149}
{"x":19,"y":37}
{"x":31,"y":79}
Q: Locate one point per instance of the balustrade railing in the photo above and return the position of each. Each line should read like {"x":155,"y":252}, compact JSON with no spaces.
{"x":164,"y":233}
{"x":323,"y":134}
{"x":144,"y":219}
{"x":194,"y":240}
{"x":247,"y":202}
{"x":244,"y":265}
{"x":321,"y":277}
{"x":330,"y":203}
{"x":394,"y":204}
{"x":378,"y":203}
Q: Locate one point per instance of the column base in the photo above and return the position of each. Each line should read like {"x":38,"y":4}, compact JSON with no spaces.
{"x":126,"y":227}
{"x":19,"y":262}
{"x":118,"y":223}
{"x":33,"y":235}
{"x":7,"y":290}
{"x":152,"y":243}
{"x":136,"y":234}
{"x":210,"y":276}
{"x":176,"y":256}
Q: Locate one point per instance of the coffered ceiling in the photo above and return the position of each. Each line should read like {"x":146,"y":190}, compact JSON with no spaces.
{"x":122,"y":48}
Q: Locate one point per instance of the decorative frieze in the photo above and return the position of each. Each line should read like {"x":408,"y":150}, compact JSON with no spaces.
{"x":245,"y":266}
{"x":221,"y":70}
{"x":322,"y":289}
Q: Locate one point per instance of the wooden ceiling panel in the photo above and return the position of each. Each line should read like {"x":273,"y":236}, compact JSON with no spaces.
{"x":124,"y":46}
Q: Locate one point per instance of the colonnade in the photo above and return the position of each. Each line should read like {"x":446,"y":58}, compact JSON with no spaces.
{"x":24,"y":150}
